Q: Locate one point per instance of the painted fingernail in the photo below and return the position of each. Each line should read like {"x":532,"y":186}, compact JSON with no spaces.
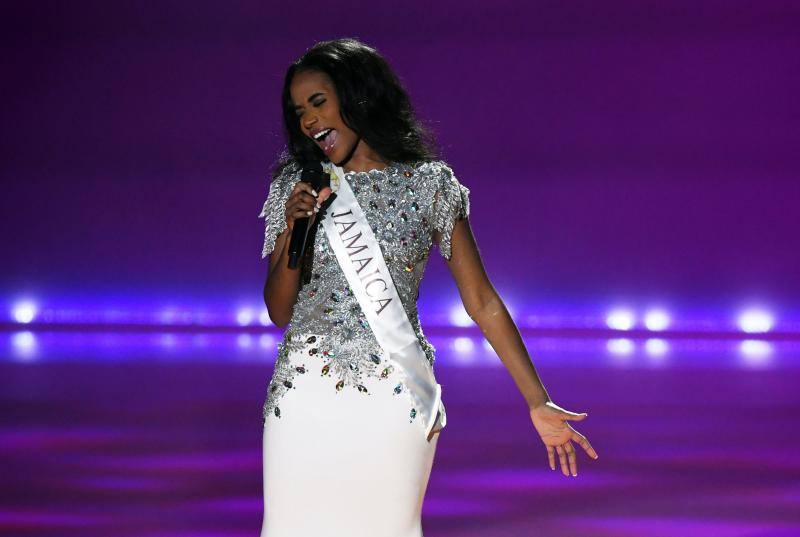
{"x":314,"y":192}
{"x":316,"y":209}
{"x":308,"y":213}
{"x":318,"y":205}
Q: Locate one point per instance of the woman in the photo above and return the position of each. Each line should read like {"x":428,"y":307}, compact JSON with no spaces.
{"x":351,"y":426}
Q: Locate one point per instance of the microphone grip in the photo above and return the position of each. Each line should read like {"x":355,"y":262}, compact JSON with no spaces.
{"x":313,"y":175}
{"x":298,"y":241}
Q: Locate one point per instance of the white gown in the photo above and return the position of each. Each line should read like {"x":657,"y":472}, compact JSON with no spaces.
{"x":345,"y":454}
{"x":344,"y":463}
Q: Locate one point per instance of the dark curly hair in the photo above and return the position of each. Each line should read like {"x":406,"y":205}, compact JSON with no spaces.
{"x":373,"y":103}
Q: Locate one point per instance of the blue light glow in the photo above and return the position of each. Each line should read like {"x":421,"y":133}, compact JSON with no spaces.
{"x":620,"y":319}
{"x":620,"y":346}
{"x":459,"y":316}
{"x":755,"y":321}
{"x":24,"y":344}
{"x":24,"y":312}
{"x":244,"y":316}
{"x":656,"y":347}
{"x":656,"y":320}
{"x":755,"y":353}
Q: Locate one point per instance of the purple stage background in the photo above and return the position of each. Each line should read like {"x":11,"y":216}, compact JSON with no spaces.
{"x":635,"y":195}
{"x":635,"y":152}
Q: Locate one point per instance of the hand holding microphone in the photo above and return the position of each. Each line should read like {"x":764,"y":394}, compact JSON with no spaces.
{"x":306,"y":199}
{"x":302,"y":200}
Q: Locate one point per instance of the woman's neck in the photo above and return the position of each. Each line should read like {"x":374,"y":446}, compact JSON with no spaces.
{"x":364,"y":159}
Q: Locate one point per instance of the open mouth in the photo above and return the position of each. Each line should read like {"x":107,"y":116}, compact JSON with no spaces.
{"x":326,"y":139}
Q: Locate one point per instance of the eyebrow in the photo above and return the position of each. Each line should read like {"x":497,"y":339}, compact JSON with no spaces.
{"x":319,"y":93}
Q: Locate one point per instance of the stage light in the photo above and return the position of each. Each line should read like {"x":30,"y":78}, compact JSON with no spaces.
{"x":656,"y":320}
{"x":244,"y":317}
{"x":463,"y":344}
{"x":167,"y":340}
{"x":754,"y":347}
{"x":264,"y":319}
{"x":244,"y":341}
{"x":755,"y":353}
{"x":24,"y":312}
{"x":755,"y":321}
{"x":24,"y":343}
{"x":656,"y":347}
{"x":462,"y":354}
{"x":620,"y":346}
{"x":620,"y":320}
{"x":266,"y":341}
{"x":459,"y":316}
{"x":167,"y":316}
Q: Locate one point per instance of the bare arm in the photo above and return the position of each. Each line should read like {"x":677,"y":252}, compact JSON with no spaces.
{"x":487,"y":309}
{"x":283,"y":284}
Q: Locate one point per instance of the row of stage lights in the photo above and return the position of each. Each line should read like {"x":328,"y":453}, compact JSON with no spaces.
{"x":467,"y":351}
{"x":751,"y":321}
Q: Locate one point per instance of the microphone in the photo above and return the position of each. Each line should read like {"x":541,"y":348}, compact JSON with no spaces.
{"x":312,"y":173}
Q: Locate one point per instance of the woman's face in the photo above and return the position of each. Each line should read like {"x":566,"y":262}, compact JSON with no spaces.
{"x":317,"y":107}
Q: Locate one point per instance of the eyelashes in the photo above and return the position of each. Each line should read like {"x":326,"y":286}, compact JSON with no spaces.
{"x":316,"y":105}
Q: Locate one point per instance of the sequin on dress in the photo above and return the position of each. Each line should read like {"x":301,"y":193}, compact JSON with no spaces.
{"x":336,"y":408}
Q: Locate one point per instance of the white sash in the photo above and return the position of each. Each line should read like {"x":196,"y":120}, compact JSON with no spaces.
{"x":362,"y":262}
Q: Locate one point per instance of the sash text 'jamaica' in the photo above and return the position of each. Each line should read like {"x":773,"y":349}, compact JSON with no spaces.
{"x":361,"y":257}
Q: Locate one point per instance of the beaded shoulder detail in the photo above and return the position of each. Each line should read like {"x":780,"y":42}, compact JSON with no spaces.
{"x":451,"y":204}
{"x":273,"y":210}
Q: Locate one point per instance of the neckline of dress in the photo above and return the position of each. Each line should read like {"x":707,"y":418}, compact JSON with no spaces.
{"x":390,"y":167}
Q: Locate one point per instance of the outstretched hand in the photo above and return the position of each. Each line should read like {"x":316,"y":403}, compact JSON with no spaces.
{"x":550,"y":421}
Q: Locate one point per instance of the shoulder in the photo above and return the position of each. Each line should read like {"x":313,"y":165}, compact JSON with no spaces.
{"x":437,"y":172}
{"x":285,"y":175}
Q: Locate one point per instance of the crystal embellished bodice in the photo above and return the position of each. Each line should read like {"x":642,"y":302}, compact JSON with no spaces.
{"x":405,"y":204}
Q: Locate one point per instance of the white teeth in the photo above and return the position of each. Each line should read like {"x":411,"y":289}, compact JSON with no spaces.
{"x":321,"y":134}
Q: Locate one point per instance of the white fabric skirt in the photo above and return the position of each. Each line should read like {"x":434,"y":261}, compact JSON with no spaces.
{"x":342,"y":463}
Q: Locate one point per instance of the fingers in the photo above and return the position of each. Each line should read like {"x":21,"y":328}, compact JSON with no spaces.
{"x":319,"y":197}
{"x":302,"y":186}
{"x":567,"y":458}
{"x":292,"y":216}
{"x":324,"y":194}
{"x":562,"y":459}
{"x":302,"y":203}
{"x":573,"y":461}
{"x":581,"y":440}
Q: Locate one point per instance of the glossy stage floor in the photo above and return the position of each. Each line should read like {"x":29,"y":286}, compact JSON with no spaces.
{"x":159,"y":435}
